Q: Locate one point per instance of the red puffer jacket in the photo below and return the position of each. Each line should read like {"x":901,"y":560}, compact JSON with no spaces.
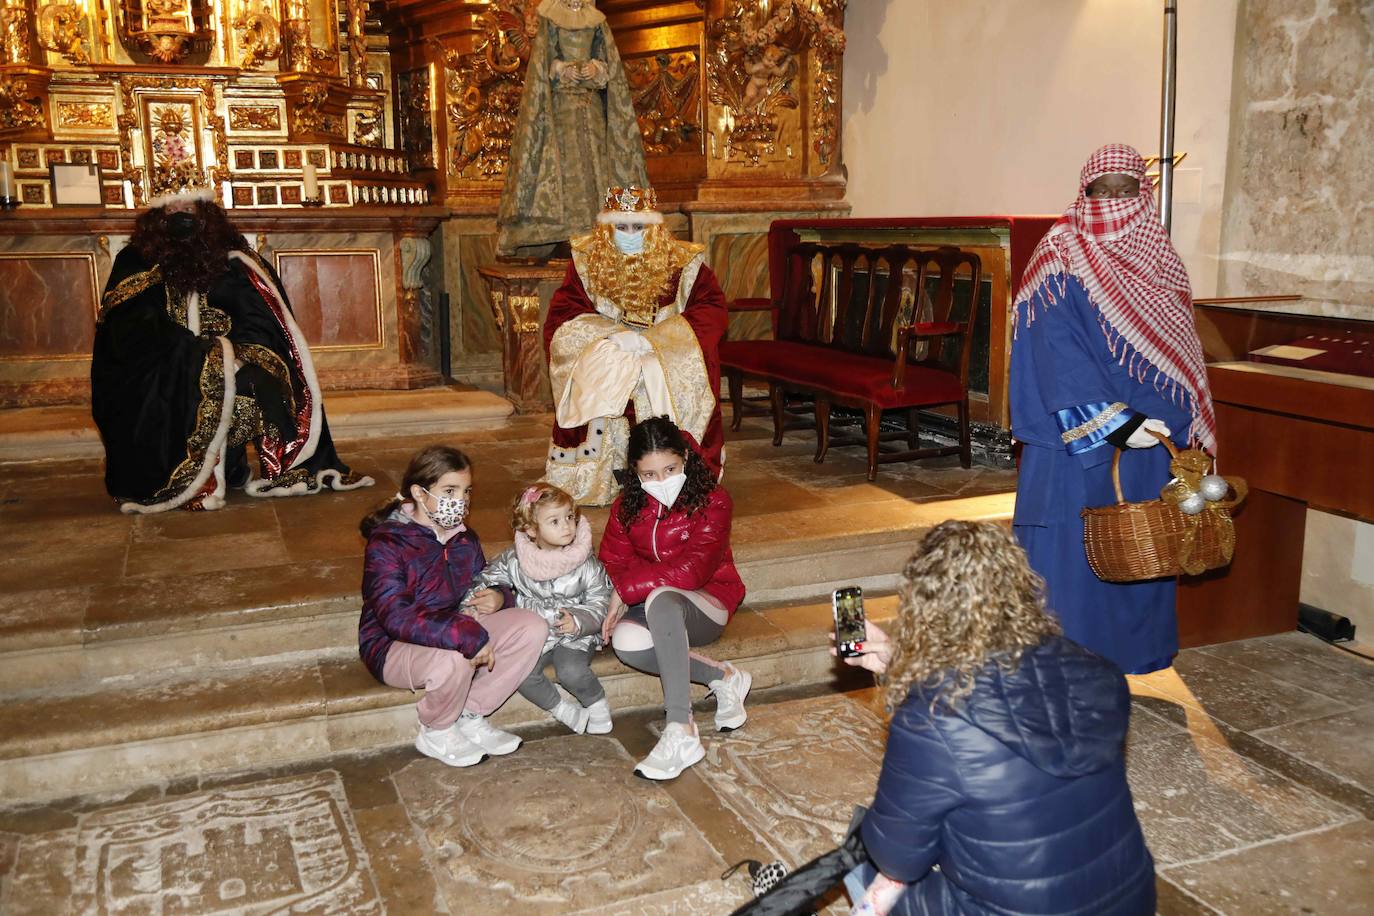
{"x":669,"y":547}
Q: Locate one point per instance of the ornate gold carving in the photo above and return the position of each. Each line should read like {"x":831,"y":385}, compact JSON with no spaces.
{"x":162,"y":29}
{"x":20,"y":107}
{"x":259,"y":35}
{"x":753,"y":67}
{"x":173,"y":169}
{"x":62,"y":27}
{"x":301,"y":54}
{"x":498,"y":308}
{"x":666,"y":100}
{"x":417,"y":125}
{"x":484,"y":88}
{"x":367,"y":127}
{"x":357,"y":42}
{"x":15,"y":47}
{"x":254,"y":117}
{"x":524,"y":313}
{"x":308,"y":113}
{"x":85,"y":115}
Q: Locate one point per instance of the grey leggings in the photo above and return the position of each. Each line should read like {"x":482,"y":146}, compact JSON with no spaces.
{"x":574,"y":669}
{"x":657,"y":637}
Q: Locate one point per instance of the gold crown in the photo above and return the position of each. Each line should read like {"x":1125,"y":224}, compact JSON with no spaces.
{"x":630,"y":200}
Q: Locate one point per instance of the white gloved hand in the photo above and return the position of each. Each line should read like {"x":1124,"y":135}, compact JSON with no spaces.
{"x":631,"y":342}
{"x":1141,"y":438}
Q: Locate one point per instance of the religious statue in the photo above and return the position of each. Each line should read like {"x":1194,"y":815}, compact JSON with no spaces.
{"x":634,"y":332}
{"x":575,"y":136}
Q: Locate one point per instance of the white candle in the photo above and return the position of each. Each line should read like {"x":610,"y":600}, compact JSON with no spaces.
{"x":312,"y":187}
{"x":6,"y":180}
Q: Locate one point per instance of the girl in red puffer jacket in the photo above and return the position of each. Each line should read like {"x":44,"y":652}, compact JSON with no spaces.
{"x":667,"y":549}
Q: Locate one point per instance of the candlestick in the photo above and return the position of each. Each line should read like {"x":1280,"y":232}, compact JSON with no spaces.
{"x":311,"y":185}
{"x":9,"y":197}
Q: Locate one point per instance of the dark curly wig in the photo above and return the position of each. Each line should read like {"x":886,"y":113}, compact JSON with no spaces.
{"x":659,"y":434}
{"x":193,"y":263}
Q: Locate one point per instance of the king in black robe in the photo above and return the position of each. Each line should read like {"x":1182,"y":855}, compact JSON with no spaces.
{"x":183,"y":378}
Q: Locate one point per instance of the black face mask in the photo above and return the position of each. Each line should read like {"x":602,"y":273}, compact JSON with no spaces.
{"x":182,"y":226}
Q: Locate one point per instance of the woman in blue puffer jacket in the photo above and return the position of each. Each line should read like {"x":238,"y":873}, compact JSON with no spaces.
{"x":1003,"y":788}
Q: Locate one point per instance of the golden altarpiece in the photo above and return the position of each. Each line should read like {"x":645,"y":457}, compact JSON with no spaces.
{"x":362,"y":145}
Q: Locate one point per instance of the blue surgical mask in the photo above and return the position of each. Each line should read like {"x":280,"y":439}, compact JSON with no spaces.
{"x":631,"y":242}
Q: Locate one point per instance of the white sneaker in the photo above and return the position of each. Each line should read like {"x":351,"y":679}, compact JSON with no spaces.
{"x":487,"y":736}
{"x":448,"y":746}
{"x":571,"y":715}
{"x":599,"y":718}
{"x":730,"y":692}
{"x":677,"y":749}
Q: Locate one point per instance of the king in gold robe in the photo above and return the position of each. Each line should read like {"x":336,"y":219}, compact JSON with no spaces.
{"x":634,"y":331}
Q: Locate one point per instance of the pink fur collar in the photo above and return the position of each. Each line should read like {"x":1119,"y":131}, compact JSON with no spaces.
{"x":545,"y":565}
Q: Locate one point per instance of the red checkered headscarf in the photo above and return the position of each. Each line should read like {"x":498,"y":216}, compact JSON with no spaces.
{"x":1121,"y":254}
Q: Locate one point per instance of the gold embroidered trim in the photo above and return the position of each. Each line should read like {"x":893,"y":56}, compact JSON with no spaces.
{"x":207,"y":423}
{"x":274,"y":365}
{"x":1093,"y":425}
{"x":128,"y":288}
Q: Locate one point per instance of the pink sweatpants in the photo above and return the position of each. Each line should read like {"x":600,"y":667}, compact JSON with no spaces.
{"x":452,"y":685}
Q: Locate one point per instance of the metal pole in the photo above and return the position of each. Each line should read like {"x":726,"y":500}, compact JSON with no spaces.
{"x":1168,"y":92}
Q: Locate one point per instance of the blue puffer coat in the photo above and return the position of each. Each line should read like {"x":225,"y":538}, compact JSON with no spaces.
{"x":1016,"y":801}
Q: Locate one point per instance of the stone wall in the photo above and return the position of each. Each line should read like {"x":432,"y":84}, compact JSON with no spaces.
{"x":1298,"y":217}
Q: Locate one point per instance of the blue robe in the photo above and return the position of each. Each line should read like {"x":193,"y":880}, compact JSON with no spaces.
{"x":1065,"y":377}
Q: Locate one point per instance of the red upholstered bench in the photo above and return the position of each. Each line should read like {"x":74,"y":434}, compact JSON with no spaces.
{"x":842,"y":340}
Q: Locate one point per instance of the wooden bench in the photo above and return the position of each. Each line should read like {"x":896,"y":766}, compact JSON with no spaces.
{"x":841,"y":339}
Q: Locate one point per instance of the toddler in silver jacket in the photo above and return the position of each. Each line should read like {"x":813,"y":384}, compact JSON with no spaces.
{"x":554,"y":573}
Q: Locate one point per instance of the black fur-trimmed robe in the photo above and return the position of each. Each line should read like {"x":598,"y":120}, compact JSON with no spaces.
{"x":174,"y":412}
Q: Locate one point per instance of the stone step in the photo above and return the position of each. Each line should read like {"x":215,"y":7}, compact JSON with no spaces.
{"x":122,"y":734}
{"x":67,"y":432}
{"x":129,"y":630}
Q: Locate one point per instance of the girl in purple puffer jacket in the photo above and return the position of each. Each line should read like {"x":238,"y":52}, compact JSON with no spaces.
{"x":418,"y":627}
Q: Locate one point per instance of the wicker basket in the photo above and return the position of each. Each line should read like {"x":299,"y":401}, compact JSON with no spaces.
{"x":1133,"y":542}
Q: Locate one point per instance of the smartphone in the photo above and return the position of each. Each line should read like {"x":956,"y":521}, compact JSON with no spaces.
{"x":850,"y":629}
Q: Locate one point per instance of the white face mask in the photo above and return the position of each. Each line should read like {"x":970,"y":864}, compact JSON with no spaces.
{"x":666,"y":490}
{"x":448,"y":511}
{"x":629,"y":242}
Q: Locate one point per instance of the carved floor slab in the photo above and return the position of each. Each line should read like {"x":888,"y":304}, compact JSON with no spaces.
{"x":795,"y":771}
{"x":286,"y":845}
{"x":562,"y":826}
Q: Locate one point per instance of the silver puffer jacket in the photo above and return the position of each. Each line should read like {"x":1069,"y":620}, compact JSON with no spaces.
{"x":571,"y":578}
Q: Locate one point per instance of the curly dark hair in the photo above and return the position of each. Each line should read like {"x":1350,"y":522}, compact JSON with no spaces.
{"x":193,"y":263}
{"x":659,"y":434}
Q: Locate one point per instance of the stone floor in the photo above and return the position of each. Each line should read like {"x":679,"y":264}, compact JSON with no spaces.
{"x":1249,"y":763}
{"x":100,"y":575}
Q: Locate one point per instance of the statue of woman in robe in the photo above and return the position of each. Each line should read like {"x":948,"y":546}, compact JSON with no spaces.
{"x":576,"y":134}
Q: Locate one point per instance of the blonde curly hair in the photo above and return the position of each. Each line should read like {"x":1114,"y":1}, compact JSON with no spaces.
{"x":634,"y":283}
{"x":533,"y":498}
{"x":968,"y":597}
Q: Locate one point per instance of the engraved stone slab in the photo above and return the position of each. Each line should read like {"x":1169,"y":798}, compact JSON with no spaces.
{"x":1196,"y":798}
{"x":562,"y":826}
{"x":284,"y":845}
{"x":796,"y":770}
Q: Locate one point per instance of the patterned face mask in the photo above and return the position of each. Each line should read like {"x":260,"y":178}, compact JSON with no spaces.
{"x":448,"y":511}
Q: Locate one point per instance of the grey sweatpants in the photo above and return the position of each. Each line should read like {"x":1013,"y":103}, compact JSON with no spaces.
{"x":573,"y":667}
{"x":658,"y":635}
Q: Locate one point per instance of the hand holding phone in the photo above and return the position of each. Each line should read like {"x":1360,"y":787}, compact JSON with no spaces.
{"x":847,"y":604}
